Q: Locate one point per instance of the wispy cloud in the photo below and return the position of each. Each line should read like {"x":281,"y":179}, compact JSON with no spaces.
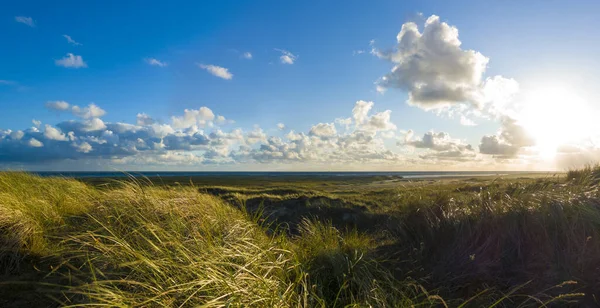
{"x":58,"y":105}
{"x":247,"y":55}
{"x":357,"y":52}
{"x":71,"y":61}
{"x":71,"y":40}
{"x":7,"y":82}
{"x":218,"y":71}
{"x":25,"y":20}
{"x":286,"y":56}
{"x":155,"y":62}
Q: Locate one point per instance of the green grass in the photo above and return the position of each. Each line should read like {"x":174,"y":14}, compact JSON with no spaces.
{"x":461,"y":243}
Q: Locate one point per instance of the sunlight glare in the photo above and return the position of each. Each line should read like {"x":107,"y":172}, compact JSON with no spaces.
{"x":554,"y":116}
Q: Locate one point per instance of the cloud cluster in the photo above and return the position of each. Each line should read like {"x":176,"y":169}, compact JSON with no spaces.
{"x":196,"y":137}
{"x":433,"y":68}
{"x":440,"y":146}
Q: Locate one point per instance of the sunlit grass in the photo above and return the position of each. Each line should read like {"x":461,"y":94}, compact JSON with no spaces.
{"x":501,"y":243}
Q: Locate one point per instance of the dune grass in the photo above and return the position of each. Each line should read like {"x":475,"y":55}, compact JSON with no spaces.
{"x":503,"y":244}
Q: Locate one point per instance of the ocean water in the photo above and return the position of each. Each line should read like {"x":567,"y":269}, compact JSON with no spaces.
{"x":163,"y":174}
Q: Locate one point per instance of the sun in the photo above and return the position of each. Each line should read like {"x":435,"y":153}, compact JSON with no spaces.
{"x":555,"y":116}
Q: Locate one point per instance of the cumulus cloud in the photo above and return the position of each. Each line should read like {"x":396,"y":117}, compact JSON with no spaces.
{"x":25,"y":20}
{"x":433,"y":68}
{"x":286,"y":56}
{"x":36,"y":123}
{"x":144,"y":119}
{"x":440,"y":146}
{"x":83,"y":147}
{"x":202,"y":117}
{"x":194,"y":138}
{"x":324,"y":130}
{"x":280,"y":126}
{"x":54,"y":134}
{"x":247,"y":55}
{"x":220,"y":120}
{"x":71,"y":40}
{"x":91,"y":111}
{"x":184,"y":141}
{"x":155,"y":62}
{"x":218,"y":71}
{"x":35,"y":143}
{"x":71,"y":61}
{"x":88,"y":112}
{"x":508,"y":142}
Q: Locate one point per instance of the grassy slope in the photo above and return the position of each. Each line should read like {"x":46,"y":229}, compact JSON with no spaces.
{"x":476,"y":242}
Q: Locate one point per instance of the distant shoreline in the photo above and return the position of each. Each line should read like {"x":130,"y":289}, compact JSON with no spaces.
{"x":283,"y":174}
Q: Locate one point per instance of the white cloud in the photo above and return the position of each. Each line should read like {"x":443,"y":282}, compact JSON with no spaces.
{"x":83,"y":147}
{"x":218,"y":71}
{"x":357,"y":52}
{"x":441,"y":147}
{"x":25,"y":20}
{"x":156,"y":62}
{"x":508,"y":142}
{"x":54,"y":134}
{"x":35,"y":143}
{"x":93,"y":124}
{"x":324,"y":130}
{"x":499,"y":93}
{"x":286,"y":56}
{"x":58,"y":105}
{"x":247,"y":55}
{"x":220,"y":120}
{"x":280,"y":126}
{"x":71,"y":40}
{"x":360,"y":111}
{"x":71,"y":61}
{"x":256,"y":135}
{"x":36,"y":123}
{"x":202,"y":117}
{"x":344,"y":122}
{"x":17,"y":135}
{"x":437,"y":141}
{"x":466,"y":121}
{"x":143,"y":119}
{"x":379,"y":122}
{"x":91,"y":111}
{"x":433,"y":68}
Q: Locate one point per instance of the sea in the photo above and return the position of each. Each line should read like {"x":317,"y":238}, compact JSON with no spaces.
{"x":349,"y":174}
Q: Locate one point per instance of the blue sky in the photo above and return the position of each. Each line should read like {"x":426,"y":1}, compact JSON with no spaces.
{"x":541,"y":45}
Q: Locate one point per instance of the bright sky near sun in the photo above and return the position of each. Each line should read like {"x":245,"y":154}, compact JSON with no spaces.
{"x":272,"y":85}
